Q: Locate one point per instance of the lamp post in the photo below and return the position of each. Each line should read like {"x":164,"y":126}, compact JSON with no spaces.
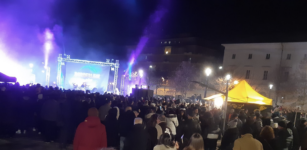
{"x":207,"y":72}
{"x":270,"y":86}
{"x":226,"y":99}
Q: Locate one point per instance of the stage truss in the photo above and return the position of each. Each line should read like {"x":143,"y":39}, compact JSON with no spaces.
{"x":61,"y":61}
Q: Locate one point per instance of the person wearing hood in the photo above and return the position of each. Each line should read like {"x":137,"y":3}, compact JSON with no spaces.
{"x":104,"y":109}
{"x":90,"y":134}
{"x":112,"y":128}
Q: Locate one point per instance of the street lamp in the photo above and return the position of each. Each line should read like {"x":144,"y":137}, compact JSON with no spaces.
{"x":207,"y":72}
{"x":150,"y":66}
{"x":226,"y":99}
{"x":270,"y":86}
{"x":220,"y":67}
{"x":236,"y":82}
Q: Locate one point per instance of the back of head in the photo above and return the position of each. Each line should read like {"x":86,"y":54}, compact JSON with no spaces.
{"x":246,"y":129}
{"x":267,"y":133}
{"x":197,"y":142}
{"x":165,"y":139}
{"x":189,"y":148}
{"x":93,"y":112}
{"x":162,"y":118}
{"x":282,"y":124}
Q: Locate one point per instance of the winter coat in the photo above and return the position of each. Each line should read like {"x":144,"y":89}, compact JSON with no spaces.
{"x":103,"y":111}
{"x":284,"y":138}
{"x":126,"y":121}
{"x":188,"y":128}
{"x":137,"y":140}
{"x":112,"y":133}
{"x":269,"y":144}
{"x":90,"y":135}
{"x":163,"y":147}
{"x":247,"y":142}
{"x":172,"y":123}
{"x":50,"y":110}
{"x":296,"y":140}
{"x":229,"y":138}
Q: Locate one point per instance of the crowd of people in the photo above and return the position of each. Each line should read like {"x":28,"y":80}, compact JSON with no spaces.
{"x":95,"y":121}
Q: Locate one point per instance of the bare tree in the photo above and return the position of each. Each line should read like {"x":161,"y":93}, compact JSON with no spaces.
{"x":183,"y":76}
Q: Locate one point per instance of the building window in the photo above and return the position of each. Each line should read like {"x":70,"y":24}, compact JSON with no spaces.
{"x":305,"y":57}
{"x":167,"y":50}
{"x":247,"y":74}
{"x":169,"y":42}
{"x":268,"y":56}
{"x":286,"y":76}
{"x":288,"y":56}
{"x":165,"y":42}
{"x":265,"y":75}
{"x":250,"y":56}
{"x":233,"y":56}
{"x":190,"y":58}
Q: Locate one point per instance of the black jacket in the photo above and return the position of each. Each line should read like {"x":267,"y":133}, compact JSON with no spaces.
{"x":137,"y":140}
{"x":126,"y":121}
{"x":188,"y":128}
{"x":269,"y":144}
{"x":229,"y":138}
{"x":112,"y":129}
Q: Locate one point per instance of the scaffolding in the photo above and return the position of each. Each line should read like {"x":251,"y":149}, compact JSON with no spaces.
{"x":61,"y":61}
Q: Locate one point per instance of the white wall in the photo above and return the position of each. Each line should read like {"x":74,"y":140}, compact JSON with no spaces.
{"x":258,"y":64}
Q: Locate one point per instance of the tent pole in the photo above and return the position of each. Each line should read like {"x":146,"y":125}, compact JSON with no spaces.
{"x":225,"y":107}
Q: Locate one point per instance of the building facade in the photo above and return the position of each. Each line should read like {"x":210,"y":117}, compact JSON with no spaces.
{"x":161,"y":57}
{"x":262,"y":64}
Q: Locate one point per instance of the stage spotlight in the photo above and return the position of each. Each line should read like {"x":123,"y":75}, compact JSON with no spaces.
{"x":150,"y":66}
{"x":112,"y":68}
{"x":141,"y":73}
{"x":31,"y":65}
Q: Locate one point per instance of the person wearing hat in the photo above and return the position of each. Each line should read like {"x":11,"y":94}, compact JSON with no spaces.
{"x":188,"y":128}
{"x":284,"y":136}
{"x":90,"y":134}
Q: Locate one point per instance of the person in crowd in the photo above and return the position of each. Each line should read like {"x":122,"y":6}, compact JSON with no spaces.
{"x":247,"y":142}
{"x":172,"y":121}
{"x":166,"y":142}
{"x":295,"y":143}
{"x":112,"y":128}
{"x":229,"y":114}
{"x":301,"y":129}
{"x":230,"y":135}
{"x":285,"y":136}
{"x":242,"y":116}
{"x":210,"y":130}
{"x":138,"y":139}
{"x":154,"y":131}
{"x":103,"y":110}
{"x":197,"y":142}
{"x":161,"y":121}
{"x":50,"y":115}
{"x":90,"y":134}
{"x":267,"y":138}
{"x":126,"y":121}
{"x":188,"y":128}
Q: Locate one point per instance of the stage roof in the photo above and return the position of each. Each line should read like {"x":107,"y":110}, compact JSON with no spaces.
{"x":244,"y":93}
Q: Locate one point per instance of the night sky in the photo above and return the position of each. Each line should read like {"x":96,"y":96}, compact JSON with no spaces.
{"x":107,"y":26}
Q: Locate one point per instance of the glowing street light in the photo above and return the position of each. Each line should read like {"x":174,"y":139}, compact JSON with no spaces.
{"x":228,"y":77}
{"x":236,"y":82}
{"x":271,"y":86}
{"x":220,"y":67}
{"x":150,"y":66}
{"x":31,"y":65}
{"x":208,"y":71}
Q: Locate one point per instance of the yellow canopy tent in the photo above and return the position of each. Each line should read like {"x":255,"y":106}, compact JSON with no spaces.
{"x":243,"y":93}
